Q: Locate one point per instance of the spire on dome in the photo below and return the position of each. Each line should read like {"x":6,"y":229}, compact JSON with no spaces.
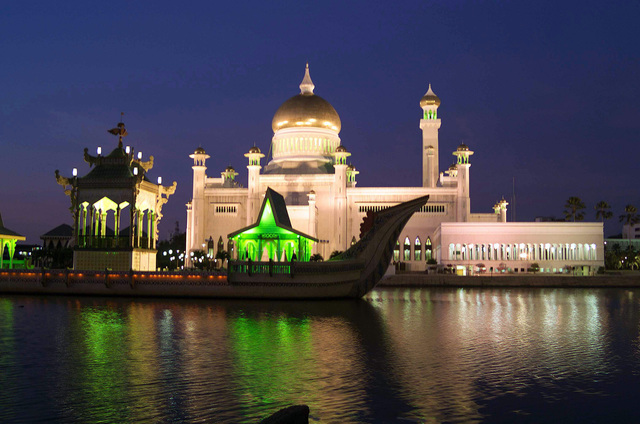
{"x":430,"y":91}
{"x":306,"y":86}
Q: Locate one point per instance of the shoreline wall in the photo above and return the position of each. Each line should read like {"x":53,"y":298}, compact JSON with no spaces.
{"x":443,"y":280}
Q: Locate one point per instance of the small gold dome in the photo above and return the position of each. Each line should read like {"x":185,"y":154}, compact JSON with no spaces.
{"x":199,"y":151}
{"x":462,"y":148}
{"x":254,"y":149}
{"x":351,"y":168}
{"x":453,"y":167}
{"x":429,"y":99}
{"x":229,"y":169}
{"x":341,"y":148}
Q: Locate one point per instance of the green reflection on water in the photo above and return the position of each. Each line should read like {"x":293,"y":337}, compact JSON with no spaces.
{"x":104,"y":370}
{"x":271,"y":360}
{"x":7,"y":357}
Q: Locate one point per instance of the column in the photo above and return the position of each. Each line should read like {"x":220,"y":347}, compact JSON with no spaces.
{"x":149,"y":229}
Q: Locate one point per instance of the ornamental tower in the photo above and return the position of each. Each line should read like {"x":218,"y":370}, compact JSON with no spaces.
{"x":430,"y":124}
{"x":340,"y":197}
{"x":195,"y":216}
{"x":253,"y":194}
{"x":500,"y":209}
{"x":463,"y":203}
{"x":116,"y":192}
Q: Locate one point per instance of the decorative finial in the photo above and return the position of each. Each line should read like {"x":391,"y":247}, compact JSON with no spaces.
{"x":120,"y":131}
{"x":430,"y":91}
{"x":306,"y":86}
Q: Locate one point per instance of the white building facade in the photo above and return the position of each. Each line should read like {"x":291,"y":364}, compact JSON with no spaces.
{"x":309,"y":167}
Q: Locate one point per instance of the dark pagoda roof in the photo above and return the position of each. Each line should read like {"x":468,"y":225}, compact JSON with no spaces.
{"x":61,"y":231}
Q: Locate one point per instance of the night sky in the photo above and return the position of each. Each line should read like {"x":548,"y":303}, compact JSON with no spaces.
{"x":543,"y":92}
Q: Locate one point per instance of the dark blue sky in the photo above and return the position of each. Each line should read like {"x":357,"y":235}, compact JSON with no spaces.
{"x":546,"y":92}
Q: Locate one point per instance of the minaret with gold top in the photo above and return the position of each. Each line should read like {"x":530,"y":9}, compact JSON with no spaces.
{"x":430,"y":124}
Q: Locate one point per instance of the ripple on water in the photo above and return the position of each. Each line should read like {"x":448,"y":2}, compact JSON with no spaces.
{"x":402,"y":355}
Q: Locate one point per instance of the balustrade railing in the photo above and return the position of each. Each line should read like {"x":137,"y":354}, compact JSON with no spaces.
{"x":112,"y":242}
{"x":272,"y":267}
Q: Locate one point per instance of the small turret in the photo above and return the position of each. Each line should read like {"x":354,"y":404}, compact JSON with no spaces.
{"x":500,"y":208}
{"x":199,"y":157}
{"x":463,"y":153}
{"x":341,"y":154}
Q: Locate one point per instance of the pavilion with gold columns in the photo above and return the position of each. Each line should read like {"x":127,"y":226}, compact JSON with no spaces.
{"x":116,"y":210}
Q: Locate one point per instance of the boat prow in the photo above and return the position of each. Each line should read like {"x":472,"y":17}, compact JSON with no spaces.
{"x":351,"y":274}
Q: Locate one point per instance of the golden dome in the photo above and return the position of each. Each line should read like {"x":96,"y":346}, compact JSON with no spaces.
{"x":341,"y":148}
{"x":199,"y":151}
{"x":254,"y":149}
{"x":462,"y":148}
{"x":429,"y":99}
{"x":306,"y":110}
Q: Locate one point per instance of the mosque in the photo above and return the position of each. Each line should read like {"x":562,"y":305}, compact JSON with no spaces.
{"x":309,"y":168}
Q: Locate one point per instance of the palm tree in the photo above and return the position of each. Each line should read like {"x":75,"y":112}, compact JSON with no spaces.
{"x":630,"y":216}
{"x":573,"y":210}
{"x":602,"y":210}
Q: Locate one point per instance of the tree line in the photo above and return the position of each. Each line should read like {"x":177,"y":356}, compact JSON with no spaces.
{"x":574,"y":211}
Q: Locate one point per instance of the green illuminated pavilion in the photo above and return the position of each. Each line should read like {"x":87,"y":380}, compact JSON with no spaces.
{"x":8,"y":239}
{"x":272,"y":237}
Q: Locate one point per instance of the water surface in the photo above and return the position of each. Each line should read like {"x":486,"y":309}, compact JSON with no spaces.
{"x":399,"y":355}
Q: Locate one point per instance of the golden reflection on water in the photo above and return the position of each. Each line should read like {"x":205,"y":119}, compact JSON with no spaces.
{"x":491,"y":341}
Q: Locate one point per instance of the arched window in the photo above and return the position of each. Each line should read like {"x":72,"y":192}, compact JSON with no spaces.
{"x":427,"y":249}
{"x":396,"y":252}
{"x":407,"y":249}
{"x":417,"y":250}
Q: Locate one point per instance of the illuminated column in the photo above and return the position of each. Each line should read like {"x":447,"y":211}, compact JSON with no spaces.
{"x":253,"y":190}
{"x":84,"y":222}
{"x":149,"y":234}
{"x":138,"y":226}
{"x":463,"y":202}
{"x":116,"y":224}
{"x":197,"y":203}
{"x":312,"y":227}
{"x":187,"y":257}
{"x":78,"y":223}
{"x":103,"y":223}
{"x":339,"y":238}
{"x":131,"y":213}
{"x":430,"y":124}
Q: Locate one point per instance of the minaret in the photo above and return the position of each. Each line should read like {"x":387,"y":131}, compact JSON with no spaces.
{"x":463,"y":202}
{"x":195,"y":230}
{"x":253,"y":192}
{"x":339,"y":237}
{"x":430,"y":124}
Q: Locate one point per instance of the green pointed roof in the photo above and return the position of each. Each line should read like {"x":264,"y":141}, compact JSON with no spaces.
{"x":276,"y":203}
